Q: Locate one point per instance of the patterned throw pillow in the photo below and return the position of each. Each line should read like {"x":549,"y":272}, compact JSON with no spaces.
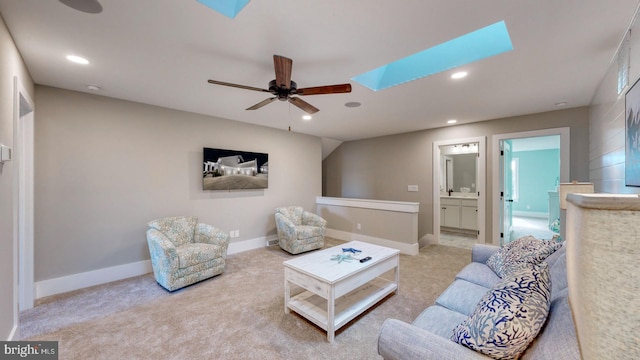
{"x":510,"y":315}
{"x":526,"y":249}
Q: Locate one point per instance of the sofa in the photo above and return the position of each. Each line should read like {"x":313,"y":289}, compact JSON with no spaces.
{"x":429,"y":336}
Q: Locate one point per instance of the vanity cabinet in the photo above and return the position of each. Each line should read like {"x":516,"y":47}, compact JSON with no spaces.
{"x":459,"y":213}
{"x":450,"y":213}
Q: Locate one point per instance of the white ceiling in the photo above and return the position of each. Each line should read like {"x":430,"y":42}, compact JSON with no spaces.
{"x":162,"y":52}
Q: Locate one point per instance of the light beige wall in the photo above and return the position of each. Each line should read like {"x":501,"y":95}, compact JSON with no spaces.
{"x":105,"y":167}
{"x":381,"y":168}
{"x":607,"y":128}
{"x":11,"y":65}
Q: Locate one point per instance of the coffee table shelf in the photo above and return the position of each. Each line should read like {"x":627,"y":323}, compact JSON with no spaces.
{"x":347,"y":307}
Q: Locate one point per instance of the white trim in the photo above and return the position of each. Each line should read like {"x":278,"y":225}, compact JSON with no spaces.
{"x":251,"y":244}
{"x":398,"y":206}
{"x":91,"y":278}
{"x":106,"y":275}
{"x":565,"y":157}
{"x":409,"y":249}
{"x":480,"y":186}
{"x":531,"y":214}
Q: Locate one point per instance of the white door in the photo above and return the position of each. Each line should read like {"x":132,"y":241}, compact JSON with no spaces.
{"x":506,"y":191}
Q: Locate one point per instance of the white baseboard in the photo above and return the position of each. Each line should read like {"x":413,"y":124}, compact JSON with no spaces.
{"x":13,"y":333}
{"x":91,"y":278}
{"x":409,"y":249}
{"x":251,"y":244}
{"x":102,"y":276}
{"x":531,"y":214}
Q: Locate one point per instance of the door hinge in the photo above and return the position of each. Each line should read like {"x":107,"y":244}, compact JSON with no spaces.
{"x":501,"y":193}
{"x":501,"y":235}
{"x":478,"y":230}
{"x":501,"y":152}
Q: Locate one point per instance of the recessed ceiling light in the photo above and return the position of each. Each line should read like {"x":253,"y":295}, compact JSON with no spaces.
{"x":77,"y":59}
{"x":561,"y":104}
{"x":352,"y":104}
{"x":306,"y":117}
{"x":452,"y":121}
{"x":93,"y":87}
{"x":459,"y":75}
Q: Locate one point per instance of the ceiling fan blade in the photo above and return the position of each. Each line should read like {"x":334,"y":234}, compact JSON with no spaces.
{"x":215,"y":82}
{"x":262,"y":103}
{"x":328,"y":89}
{"x":282,"y":66}
{"x":305,"y":106}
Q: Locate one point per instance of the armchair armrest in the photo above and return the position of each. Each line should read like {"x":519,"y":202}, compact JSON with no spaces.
{"x":480,"y":253}
{"x":285,"y":227}
{"x":162,"y":251}
{"x":208,"y":234}
{"x":309,"y":218}
{"x":399,"y":340}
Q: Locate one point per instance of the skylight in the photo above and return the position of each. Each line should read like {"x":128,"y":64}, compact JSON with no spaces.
{"x":488,"y":41}
{"x":229,"y":8}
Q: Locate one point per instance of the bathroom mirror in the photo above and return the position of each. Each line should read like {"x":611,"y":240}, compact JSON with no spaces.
{"x":458,"y":170}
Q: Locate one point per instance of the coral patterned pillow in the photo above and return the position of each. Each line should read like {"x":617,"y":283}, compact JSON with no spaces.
{"x":526,"y":249}
{"x":510,"y":315}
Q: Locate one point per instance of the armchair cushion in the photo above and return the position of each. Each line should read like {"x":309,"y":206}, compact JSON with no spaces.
{"x":179,"y":229}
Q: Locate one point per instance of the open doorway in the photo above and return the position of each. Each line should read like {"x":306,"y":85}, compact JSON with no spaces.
{"x":459,"y":169}
{"x":530,"y":166}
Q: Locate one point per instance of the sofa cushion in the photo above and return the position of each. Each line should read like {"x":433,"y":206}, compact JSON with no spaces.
{"x":439,"y":320}
{"x":462,"y":296}
{"x":551,"y":259}
{"x":557,"y":339}
{"x":559,"y":276}
{"x":526,"y":249}
{"x":511,"y":314}
{"x":479,"y":274}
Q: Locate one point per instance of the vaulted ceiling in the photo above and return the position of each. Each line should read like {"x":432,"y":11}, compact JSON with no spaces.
{"x":162,"y":52}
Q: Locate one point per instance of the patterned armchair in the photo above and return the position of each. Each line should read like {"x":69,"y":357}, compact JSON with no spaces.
{"x":299,"y":230}
{"x":184,"y":252}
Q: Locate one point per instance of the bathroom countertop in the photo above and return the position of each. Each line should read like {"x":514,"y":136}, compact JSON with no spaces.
{"x":470,"y":196}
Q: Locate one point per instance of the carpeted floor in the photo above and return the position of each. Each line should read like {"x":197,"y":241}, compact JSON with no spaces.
{"x":236,"y":315}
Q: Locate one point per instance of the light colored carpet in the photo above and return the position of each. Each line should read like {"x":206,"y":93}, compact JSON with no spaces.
{"x":236,"y":315}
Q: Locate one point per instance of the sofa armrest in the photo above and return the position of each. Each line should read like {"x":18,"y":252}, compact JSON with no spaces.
{"x":480,"y":253}
{"x":399,"y":340}
{"x":208,"y":234}
{"x":309,"y":218}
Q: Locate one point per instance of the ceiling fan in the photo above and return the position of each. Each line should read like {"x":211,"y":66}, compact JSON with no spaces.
{"x":284,"y":88}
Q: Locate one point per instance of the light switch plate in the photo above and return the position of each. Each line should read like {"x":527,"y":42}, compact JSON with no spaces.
{"x":5,"y":153}
{"x":413,"y":188}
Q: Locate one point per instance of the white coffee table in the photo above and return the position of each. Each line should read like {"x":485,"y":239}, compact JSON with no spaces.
{"x":338,"y":292}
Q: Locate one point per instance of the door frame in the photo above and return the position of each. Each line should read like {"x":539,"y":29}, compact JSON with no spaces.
{"x":23,"y":132}
{"x":480,"y":186}
{"x":565,"y":158}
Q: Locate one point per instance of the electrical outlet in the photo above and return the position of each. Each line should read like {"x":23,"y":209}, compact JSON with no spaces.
{"x":412,"y":188}
{"x":359,"y":226}
{"x":237,"y":233}
{"x":231,"y":234}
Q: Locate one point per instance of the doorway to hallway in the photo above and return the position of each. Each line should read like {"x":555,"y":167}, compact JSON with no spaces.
{"x":529,"y":167}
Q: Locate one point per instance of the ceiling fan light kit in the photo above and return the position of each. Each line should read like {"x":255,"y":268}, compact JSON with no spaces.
{"x":284,"y":89}
{"x":86,"y":6}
